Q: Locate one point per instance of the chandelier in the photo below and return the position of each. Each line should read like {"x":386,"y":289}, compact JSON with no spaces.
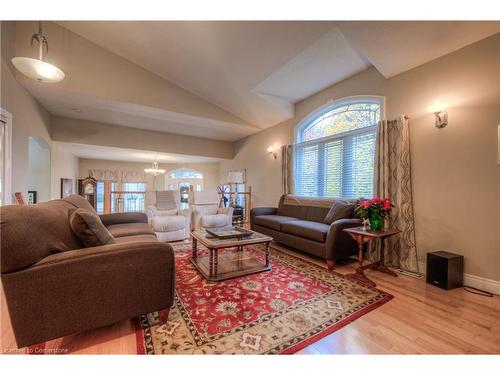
{"x":38,"y":69}
{"x":155,"y":171}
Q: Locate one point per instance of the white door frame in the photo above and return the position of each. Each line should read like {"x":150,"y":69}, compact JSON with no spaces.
{"x":6,"y":117}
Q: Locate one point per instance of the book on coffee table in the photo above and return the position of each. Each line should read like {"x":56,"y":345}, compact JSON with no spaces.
{"x":229,"y":232}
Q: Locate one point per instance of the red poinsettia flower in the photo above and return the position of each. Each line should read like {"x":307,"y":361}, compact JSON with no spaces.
{"x":387,"y":203}
{"x":375,"y":206}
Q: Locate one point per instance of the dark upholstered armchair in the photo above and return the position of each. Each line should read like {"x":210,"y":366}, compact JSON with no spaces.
{"x":55,"y":287}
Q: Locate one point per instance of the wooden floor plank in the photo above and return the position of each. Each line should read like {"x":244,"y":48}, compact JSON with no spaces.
{"x":421,"y":319}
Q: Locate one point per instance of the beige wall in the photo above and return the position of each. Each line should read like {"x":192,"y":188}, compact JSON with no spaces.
{"x":29,"y":119}
{"x":39,"y":168}
{"x":63,"y":165}
{"x":456,"y":179}
{"x":94,"y":133}
{"x":210,"y":171}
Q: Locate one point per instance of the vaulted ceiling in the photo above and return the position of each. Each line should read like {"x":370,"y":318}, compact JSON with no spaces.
{"x":222,"y":80}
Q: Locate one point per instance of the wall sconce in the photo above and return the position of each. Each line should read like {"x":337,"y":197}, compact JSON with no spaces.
{"x":272,"y":151}
{"x":439,"y":110}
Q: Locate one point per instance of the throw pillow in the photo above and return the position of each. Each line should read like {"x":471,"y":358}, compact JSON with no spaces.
{"x":340,"y":210}
{"x":165,"y":200}
{"x":89,"y":229}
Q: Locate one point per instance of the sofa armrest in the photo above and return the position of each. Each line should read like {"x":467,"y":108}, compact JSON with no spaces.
{"x":187,"y":213}
{"x":123,"y":218}
{"x":114,"y":250}
{"x":83,"y":289}
{"x":150,"y":212}
{"x":259,"y":211}
{"x":340,"y":244}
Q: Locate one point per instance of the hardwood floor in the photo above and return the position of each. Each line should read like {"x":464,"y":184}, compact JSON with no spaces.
{"x":421,"y":319}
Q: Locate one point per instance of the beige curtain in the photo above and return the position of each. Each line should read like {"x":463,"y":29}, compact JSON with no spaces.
{"x":117,"y":175}
{"x":104,"y":175}
{"x":133,"y":176}
{"x":393,"y":180}
{"x":287,"y":185}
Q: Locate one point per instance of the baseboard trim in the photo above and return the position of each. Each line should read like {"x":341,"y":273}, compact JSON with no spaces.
{"x":482,"y":283}
{"x":492,"y":286}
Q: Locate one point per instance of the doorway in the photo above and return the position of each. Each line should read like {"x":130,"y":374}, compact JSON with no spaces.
{"x":5,"y":157}
{"x":38,"y":170}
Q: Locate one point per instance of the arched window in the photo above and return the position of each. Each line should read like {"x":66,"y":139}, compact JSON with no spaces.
{"x":335,"y":150}
{"x":185,"y":173}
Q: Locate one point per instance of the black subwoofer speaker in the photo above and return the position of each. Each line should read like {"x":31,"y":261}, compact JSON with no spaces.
{"x":445,"y":270}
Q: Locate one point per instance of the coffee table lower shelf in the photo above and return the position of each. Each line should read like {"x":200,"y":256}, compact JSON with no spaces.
{"x":228,"y":265}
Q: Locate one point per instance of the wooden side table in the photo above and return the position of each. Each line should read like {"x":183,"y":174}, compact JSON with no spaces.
{"x":362,"y":236}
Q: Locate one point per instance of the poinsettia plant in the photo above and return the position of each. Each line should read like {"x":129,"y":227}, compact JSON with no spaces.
{"x":374,"y":207}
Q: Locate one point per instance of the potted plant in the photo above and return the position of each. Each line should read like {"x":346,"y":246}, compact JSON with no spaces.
{"x":376,"y":210}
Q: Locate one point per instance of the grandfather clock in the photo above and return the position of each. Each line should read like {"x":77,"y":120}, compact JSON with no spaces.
{"x":87,"y":188}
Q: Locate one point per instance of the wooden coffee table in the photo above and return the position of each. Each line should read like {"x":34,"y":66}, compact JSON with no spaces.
{"x":216,"y":266}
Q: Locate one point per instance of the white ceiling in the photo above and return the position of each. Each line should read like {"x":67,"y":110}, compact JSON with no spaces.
{"x":225,"y":62}
{"x":328,"y":60}
{"x":395,"y":47}
{"x":131,"y":155}
{"x":256,"y":71}
{"x":98,"y":109}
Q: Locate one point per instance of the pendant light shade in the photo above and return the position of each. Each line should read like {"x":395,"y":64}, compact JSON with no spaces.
{"x":38,"y":69}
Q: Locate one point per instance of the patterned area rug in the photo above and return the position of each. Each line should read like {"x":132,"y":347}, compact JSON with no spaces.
{"x":276,"y":312}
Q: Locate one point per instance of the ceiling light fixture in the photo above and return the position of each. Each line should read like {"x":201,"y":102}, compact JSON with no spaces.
{"x":155,"y":171}
{"x":38,"y":69}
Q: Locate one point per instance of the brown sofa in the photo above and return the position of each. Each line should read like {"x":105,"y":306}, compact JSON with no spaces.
{"x":55,"y":287}
{"x":299,"y":223}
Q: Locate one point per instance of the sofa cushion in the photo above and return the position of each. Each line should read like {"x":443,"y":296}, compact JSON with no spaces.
{"x":168,"y":223}
{"x":306,"y":229}
{"x":215,"y":221}
{"x":29,"y":233}
{"x":130,"y":229}
{"x":79,"y":202}
{"x":299,"y":212}
{"x":273,"y":221}
{"x":340,"y":210}
{"x":88,"y":227}
{"x":317,"y":214}
{"x":138,"y":238}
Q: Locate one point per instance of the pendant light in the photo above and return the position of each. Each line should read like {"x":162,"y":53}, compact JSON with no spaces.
{"x":155,"y":171}
{"x":38,"y":69}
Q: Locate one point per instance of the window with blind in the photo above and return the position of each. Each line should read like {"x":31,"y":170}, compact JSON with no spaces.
{"x":335,"y":151}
